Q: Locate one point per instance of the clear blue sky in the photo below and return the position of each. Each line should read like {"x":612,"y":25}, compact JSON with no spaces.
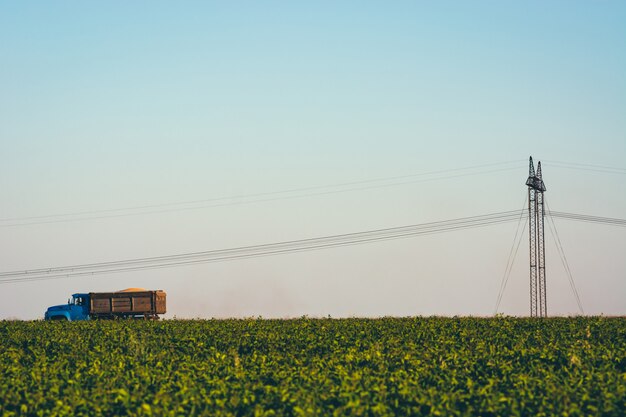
{"x":115,"y":104}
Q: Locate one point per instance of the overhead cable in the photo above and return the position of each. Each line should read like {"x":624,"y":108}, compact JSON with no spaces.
{"x":586,"y":167}
{"x":293,"y":193}
{"x":260,"y":250}
{"x":512,"y":255}
{"x":245,"y":252}
{"x":588,"y":219}
{"x":561,"y":251}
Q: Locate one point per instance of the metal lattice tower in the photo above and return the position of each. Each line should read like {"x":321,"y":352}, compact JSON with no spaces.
{"x":536,"y":188}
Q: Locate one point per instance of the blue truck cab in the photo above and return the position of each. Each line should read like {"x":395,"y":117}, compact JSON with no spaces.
{"x":77,"y":308}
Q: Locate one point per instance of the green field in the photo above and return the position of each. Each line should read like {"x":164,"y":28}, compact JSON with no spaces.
{"x":315,"y":367}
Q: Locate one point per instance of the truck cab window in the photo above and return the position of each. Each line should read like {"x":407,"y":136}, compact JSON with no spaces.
{"x":79,"y":301}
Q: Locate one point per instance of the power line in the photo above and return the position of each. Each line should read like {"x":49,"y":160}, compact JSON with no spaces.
{"x":422,"y":226}
{"x":561,"y":251}
{"x":588,"y":219}
{"x":587,"y":167}
{"x":512,"y":255}
{"x":255,"y":198}
{"x":260,"y":250}
{"x":270,"y":249}
{"x":287,"y":194}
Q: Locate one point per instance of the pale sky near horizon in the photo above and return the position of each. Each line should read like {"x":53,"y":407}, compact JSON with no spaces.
{"x":116,"y":105}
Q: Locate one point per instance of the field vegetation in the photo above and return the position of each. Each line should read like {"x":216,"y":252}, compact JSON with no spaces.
{"x":315,"y":367}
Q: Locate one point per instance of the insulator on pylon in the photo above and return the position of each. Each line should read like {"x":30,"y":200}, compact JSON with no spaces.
{"x":534,"y":179}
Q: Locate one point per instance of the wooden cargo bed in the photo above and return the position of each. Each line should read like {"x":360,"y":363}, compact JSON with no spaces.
{"x":147,"y":303}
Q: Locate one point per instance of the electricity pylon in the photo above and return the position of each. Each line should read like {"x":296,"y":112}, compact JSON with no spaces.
{"x":536,"y":188}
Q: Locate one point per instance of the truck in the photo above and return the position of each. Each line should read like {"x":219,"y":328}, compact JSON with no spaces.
{"x":131,"y":303}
